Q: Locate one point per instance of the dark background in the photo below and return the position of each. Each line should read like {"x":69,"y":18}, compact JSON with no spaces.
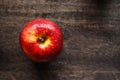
{"x":91,"y":30}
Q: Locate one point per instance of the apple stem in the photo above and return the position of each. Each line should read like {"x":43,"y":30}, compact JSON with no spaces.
{"x":41,"y":39}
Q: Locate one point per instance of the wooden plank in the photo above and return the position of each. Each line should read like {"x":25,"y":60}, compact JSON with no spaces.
{"x":91,"y":31}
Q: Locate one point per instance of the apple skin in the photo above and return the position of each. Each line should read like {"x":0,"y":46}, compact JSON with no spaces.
{"x":41,"y":40}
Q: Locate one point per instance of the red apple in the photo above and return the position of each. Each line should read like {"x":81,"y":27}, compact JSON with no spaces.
{"x":41,"y":40}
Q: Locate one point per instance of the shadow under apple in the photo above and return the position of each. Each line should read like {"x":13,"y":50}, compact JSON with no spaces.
{"x":45,"y":71}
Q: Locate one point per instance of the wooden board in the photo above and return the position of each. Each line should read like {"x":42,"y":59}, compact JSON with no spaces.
{"x":91,"y":30}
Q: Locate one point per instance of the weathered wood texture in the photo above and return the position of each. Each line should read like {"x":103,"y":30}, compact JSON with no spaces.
{"x":91,"y":30}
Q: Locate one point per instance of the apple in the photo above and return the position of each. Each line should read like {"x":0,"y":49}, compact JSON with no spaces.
{"x":41,"y":40}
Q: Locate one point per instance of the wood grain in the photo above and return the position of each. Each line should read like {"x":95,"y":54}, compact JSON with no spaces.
{"x":91,"y":31}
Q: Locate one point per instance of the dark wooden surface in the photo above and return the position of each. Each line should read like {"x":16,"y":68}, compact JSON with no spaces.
{"x":91,"y":30}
